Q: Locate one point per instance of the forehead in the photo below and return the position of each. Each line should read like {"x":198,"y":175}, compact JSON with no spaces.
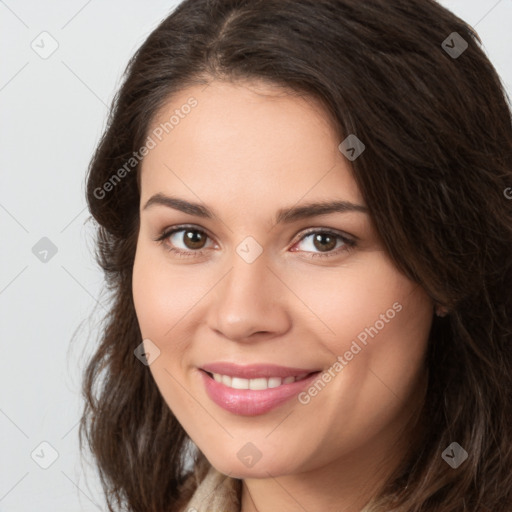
{"x":247,"y":144}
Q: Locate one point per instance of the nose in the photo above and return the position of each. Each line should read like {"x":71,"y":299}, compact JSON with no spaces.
{"x":249,"y":302}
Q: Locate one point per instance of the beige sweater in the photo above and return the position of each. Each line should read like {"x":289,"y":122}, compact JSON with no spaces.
{"x":216,"y":492}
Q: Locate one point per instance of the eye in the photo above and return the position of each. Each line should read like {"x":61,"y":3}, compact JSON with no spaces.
{"x":190,"y":237}
{"x":329,"y":243}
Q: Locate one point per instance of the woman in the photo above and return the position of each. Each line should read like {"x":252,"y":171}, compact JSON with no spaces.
{"x":304,"y":225}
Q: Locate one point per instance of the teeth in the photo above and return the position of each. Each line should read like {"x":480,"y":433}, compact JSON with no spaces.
{"x":273,"y":382}
{"x":258,"y":384}
{"x":255,"y":384}
{"x":238,"y":383}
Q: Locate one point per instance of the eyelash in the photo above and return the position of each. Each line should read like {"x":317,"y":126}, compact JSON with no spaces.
{"x":349,"y":243}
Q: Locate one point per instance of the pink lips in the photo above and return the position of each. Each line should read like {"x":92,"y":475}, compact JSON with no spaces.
{"x":250,"y":402}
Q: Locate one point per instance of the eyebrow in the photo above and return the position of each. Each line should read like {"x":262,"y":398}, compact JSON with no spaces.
{"x":284,"y":215}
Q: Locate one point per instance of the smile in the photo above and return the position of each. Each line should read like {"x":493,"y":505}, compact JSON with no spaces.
{"x":255,"y":389}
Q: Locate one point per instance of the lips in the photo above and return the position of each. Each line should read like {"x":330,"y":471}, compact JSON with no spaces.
{"x":254,"y":389}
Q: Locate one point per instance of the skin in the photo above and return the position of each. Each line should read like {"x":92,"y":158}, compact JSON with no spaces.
{"x":245,"y":151}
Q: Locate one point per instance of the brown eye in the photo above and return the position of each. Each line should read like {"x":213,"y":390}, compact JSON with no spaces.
{"x":193,"y":238}
{"x":324,"y":241}
{"x":184,"y":240}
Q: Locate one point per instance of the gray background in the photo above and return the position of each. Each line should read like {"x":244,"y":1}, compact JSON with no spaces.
{"x":53,"y":113}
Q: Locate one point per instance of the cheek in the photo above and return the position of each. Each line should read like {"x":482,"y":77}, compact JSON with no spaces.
{"x":372,"y":316}
{"x":379,"y":323}
{"x":160,"y":303}
{"x":148,"y":296}
{"x":161,"y":297}
{"x":398,"y":352}
{"x":343,"y":304}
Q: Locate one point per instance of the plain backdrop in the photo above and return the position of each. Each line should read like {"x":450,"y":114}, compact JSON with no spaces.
{"x":53,"y":111}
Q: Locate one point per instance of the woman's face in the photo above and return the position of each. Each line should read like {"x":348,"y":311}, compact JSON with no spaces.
{"x":269,"y":287}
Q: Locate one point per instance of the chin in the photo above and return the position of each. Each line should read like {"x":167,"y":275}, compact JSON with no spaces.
{"x":262,"y":468}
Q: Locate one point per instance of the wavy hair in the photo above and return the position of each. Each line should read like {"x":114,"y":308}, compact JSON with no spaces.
{"x":435,"y":175}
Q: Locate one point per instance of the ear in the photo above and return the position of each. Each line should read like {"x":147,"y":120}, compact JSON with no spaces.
{"x":441,"y":311}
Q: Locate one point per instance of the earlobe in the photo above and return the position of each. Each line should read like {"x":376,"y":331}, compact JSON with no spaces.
{"x":441,"y":311}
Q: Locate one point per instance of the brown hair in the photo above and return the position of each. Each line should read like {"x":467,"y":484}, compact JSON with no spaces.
{"x":438,"y":135}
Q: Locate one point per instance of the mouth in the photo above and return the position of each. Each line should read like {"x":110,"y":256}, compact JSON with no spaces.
{"x":255,"y":389}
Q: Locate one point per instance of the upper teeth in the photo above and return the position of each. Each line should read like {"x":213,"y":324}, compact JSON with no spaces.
{"x":256,"y":384}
